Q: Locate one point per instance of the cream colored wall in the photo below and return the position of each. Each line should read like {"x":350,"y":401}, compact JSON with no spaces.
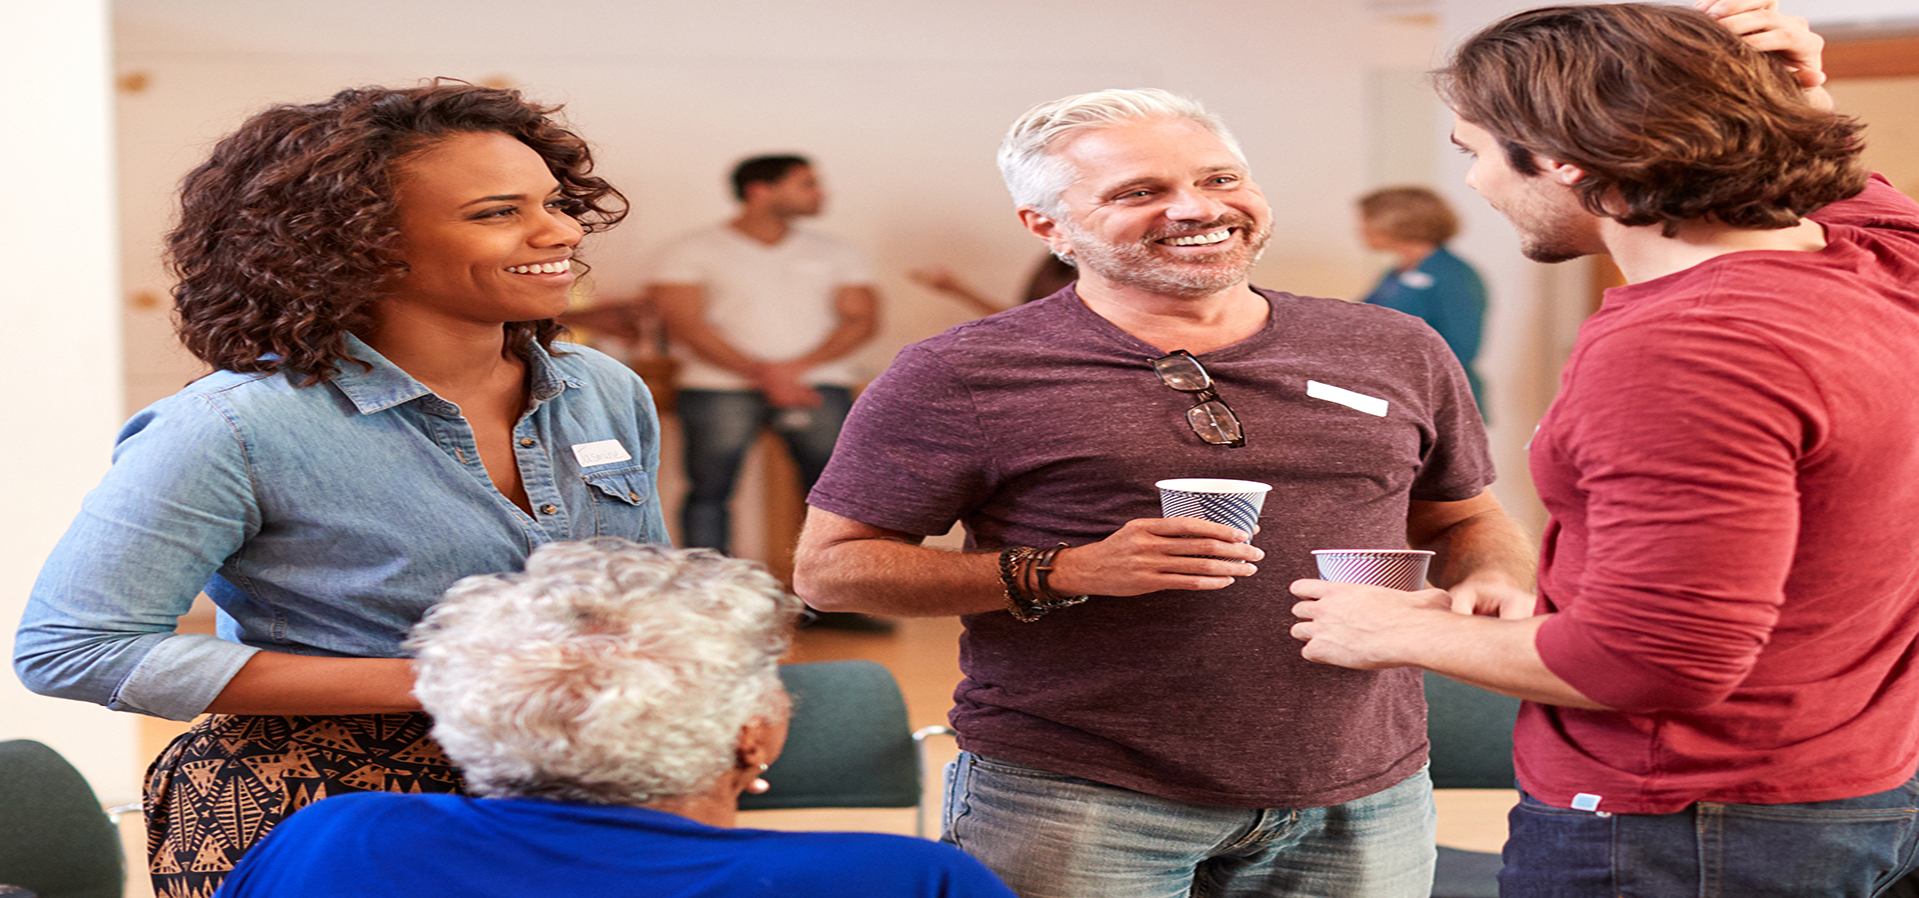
{"x":1890,"y":109}
{"x":57,"y":247}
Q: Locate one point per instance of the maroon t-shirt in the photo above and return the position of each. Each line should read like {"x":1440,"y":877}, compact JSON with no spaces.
{"x":1732,"y":467}
{"x":1046,"y":424}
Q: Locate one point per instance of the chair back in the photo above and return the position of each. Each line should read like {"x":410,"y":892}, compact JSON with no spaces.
{"x":849,"y":745}
{"x":1472,"y":735}
{"x":55,"y":839}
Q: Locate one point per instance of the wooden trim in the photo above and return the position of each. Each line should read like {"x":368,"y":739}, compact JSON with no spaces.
{"x":1605,"y":275}
{"x":1888,"y":56}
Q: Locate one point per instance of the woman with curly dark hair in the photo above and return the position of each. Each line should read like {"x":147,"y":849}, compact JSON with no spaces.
{"x":374,"y":279}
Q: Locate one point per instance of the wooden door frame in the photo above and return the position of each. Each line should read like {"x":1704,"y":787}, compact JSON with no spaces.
{"x":1873,"y":54}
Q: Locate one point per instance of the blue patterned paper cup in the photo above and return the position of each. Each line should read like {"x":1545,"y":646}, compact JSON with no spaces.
{"x":1397,"y":568}
{"x":1235,"y":503}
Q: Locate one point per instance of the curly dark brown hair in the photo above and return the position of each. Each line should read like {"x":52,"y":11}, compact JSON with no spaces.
{"x":1671,"y":117}
{"x":287,"y":233}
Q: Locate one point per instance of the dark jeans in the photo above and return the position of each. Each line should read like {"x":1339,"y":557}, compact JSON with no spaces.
{"x":1847,"y":847}
{"x":720,"y":427}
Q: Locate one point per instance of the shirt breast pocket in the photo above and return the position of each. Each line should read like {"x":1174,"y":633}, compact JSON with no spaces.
{"x":621,"y":495}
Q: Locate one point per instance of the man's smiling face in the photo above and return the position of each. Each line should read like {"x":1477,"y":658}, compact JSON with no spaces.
{"x":1160,"y":205}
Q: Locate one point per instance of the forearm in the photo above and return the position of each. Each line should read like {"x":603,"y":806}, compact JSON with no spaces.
{"x":844,"y":565}
{"x":1486,"y":548}
{"x":1493,"y":654}
{"x":1475,"y":544}
{"x":682,"y":309}
{"x":1373,"y":628}
{"x":896,"y":578}
{"x":845,"y":338}
{"x":710,"y":347}
{"x":857,"y":311}
{"x":281,"y":684}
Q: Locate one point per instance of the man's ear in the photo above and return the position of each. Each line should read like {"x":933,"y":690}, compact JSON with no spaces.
{"x":750,"y":192}
{"x":1046,"y":229}
{"x":1565,"y":173}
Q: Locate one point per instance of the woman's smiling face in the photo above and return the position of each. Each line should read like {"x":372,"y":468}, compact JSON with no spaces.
{"x":483,"y":231}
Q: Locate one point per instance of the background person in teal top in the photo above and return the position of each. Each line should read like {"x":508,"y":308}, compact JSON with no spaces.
{"x":1413,"y":224}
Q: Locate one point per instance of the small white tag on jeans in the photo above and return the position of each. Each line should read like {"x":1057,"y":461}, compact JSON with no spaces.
{"x":604,"y":452}
{"x":1371,"y":405}
{"x":1585,"y":801}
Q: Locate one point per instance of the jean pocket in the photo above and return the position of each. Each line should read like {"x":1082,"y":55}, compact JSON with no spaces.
{"x":1747,"y":849}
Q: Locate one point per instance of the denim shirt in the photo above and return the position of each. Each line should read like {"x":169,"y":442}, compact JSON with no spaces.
{"x":321,"y":520}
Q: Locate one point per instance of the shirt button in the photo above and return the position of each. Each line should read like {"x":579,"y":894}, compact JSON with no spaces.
{"x":549,"y":509}
{"x":634,"y":496}
{"x":529,"y":442}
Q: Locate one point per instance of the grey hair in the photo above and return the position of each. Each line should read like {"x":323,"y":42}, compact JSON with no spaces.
{"x":1036,"y":178}
{"x":608,"y":672}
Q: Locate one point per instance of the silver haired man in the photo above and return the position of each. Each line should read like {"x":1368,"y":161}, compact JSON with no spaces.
{"x":610,"y":704}
{"x":1135,"y":719}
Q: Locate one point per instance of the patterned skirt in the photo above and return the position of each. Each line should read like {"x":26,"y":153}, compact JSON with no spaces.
{"x":224,"y":784}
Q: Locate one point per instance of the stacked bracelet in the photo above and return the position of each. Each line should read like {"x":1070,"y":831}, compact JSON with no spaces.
{"x":1020,"y":564}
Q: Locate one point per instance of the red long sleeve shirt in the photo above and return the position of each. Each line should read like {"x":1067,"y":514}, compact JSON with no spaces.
{"x":1732,"y":469}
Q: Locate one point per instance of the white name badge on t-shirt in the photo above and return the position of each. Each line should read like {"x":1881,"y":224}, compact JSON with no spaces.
{"x":604,"y":452}
{"x":1371,"y":405}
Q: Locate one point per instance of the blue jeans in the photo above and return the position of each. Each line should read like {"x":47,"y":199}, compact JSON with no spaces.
{"x":1052,"y":836}
{"x":1851,"y":847}
{"x":720,"y":427}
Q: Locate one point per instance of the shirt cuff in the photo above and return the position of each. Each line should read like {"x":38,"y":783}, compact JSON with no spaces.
{"x":181,"y":676}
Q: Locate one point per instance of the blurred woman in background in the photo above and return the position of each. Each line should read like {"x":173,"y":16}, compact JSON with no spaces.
{"x":1427,"y":280}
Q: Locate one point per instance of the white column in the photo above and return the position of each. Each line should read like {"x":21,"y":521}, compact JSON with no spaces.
{"x":62,"y":361}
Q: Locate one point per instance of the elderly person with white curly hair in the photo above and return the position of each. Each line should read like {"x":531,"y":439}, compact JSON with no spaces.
{"x":607,"y":706}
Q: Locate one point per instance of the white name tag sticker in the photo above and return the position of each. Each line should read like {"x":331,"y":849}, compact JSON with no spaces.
{"x":1371,"y":405}
{"x":604,"y":452}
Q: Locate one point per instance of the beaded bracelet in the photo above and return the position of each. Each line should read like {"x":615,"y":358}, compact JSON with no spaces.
{"x":1017,"y":565}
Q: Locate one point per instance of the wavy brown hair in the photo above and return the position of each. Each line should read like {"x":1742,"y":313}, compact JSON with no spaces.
{"x":1671,"y":116}
{"x":287,"y":233}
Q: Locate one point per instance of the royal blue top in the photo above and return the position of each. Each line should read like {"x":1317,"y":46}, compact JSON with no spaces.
{"x":321,"y":520}
{"x":373,"y":844}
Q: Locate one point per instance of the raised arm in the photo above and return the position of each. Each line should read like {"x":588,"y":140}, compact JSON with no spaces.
{"x":1763,"y":26}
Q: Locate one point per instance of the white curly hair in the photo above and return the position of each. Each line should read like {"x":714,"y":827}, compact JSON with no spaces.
{"x":608,"y":672}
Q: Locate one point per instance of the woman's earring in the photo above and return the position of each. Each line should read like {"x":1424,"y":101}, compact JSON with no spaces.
{"x":759,"y":785}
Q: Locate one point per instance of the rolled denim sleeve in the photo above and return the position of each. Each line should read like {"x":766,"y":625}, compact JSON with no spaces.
{"x":99,"y":625}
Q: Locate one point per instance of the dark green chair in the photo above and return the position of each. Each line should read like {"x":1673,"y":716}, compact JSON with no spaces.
{"x":55,"y":840}
{"x":849,"y":745}
{"x":1471,"y":731}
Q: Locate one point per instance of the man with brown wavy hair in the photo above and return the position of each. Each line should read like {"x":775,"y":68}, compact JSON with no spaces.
{"x":1720,"y":665}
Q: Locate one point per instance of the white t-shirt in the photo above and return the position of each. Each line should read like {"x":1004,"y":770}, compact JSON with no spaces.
{"x":770,"y":302}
